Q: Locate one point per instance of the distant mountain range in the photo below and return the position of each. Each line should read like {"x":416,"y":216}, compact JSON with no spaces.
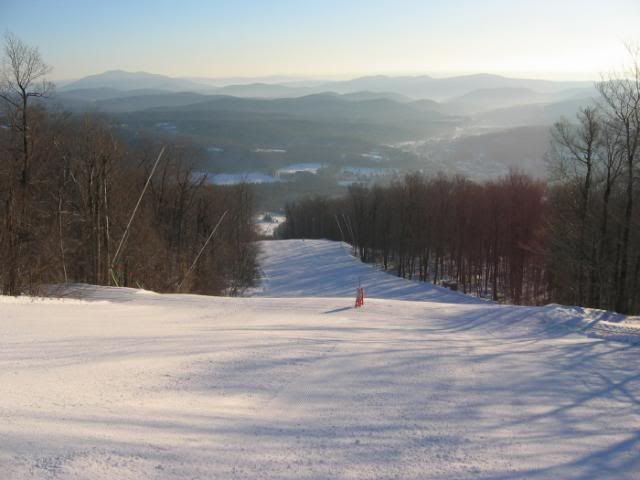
{"x":413,"y":87}
{"x":442,"y":89}
{"x":480,"y":125}
{"x":487,"y":99}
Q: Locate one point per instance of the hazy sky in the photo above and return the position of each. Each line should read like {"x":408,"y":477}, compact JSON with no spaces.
{"x":215,"y":38}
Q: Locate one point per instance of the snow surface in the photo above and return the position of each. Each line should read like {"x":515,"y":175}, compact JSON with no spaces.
{"x":299,"y":167}
{"x":267,"y":228}
{"x":313,"y":268}
{"x":128,"y":384}
{"x":244,"y":177}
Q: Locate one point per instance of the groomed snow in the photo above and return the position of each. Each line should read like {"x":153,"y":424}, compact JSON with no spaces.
{"x":320,"y":268}
{"x":127,"y":384}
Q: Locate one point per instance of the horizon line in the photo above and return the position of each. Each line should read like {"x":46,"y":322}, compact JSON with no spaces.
{"x":280,"y":78}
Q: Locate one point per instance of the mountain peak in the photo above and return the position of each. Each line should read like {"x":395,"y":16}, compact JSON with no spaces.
{"x":125,"y":80}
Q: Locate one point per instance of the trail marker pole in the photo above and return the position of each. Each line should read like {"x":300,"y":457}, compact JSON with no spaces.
{"x":360,"y":297}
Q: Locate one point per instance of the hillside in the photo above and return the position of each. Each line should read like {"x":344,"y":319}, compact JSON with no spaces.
{"x":120,"y":383}
{"x":493,"y":98}
{"x":322,"y":106}
{"x":123,"y":80}
{"x":492,"y":153}
{"x":533,"y":114}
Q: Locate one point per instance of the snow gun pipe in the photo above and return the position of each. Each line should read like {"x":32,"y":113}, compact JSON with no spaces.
{"x":133,"y":214}
{"x":339,"y":227}
{"x":202,"y":250}
{"x":347,"y":222}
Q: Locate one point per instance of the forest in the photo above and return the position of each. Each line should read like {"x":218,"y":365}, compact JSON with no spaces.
{"x":79,"y":204}
{"x":485,"y":238}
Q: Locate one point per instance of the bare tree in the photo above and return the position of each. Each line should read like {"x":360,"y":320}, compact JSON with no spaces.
{"x":620,"y":95}
{"x":610,"y":159}
{"x":22,"y":77}
{"x":576,"y":147}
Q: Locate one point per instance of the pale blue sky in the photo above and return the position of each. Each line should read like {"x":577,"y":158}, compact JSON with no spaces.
{"x":543,"y":38}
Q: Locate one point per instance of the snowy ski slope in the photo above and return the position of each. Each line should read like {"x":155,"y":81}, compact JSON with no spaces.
{"x":320,"y":268}
{"x":421,"y":383}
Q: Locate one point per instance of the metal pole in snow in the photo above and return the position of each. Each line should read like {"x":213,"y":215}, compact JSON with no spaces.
{"x":339,"y":227}
{"x":202,"y":249}
{"x":133,"y":214}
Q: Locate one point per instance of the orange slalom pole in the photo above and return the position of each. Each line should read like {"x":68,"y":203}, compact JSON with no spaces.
{"x":359,"y":297}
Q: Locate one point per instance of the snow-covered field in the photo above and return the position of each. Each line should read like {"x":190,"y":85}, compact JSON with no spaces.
{"x":421,"y":383}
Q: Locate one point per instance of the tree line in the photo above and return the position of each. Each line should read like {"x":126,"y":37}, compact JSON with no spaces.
{"x":485,"y":238}
{"x":69,"y":187}
{"x":574,"y":239}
